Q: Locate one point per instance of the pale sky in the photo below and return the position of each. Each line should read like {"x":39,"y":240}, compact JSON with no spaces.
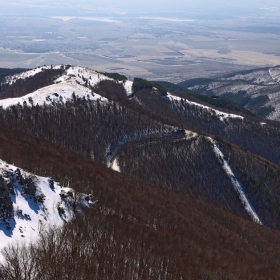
{"x":44,"y":7}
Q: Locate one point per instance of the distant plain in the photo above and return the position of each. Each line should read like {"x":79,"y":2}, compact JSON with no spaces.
{"x":157,"y":48}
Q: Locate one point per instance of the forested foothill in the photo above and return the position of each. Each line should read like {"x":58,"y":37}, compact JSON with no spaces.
{"x":135,"y":228}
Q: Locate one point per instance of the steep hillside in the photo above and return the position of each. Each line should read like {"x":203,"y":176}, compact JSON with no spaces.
{"x":177,"y":180}
{"x":221,"y":102}
{"x":223,"y":174}
{"x":257,"y":90}
{"x":143,"y":229}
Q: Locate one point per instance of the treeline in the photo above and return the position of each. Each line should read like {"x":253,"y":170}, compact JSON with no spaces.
{"x":116,"y":76}
{"x":260,"y":180}
{"x":139,"y":84}
{"x":255,"y":104}
{"x":99,"y":129}
{"x":96,"y":247}
{"x":223,"y":103}
{"x":8,"y":71}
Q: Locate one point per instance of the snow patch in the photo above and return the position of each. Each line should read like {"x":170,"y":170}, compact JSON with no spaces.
{"x":190,"y":134}
{"x":115,"y":165}
{"x":128,"y":87}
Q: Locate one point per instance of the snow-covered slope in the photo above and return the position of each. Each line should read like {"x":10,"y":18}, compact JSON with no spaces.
{"x":57,"y":93}
{"x":30,"y":204}
{"x":76,"y":80}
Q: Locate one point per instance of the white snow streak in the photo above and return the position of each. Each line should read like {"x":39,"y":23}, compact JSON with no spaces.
{"x":236,"y":184}
{"x":128,"y":87}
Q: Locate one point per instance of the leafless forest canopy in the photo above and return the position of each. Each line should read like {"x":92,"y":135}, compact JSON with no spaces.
{"x":172,"y":212}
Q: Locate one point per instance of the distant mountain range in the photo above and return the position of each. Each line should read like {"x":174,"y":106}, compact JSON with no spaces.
{"x":256,"y":90}
{"x":179,"y":177}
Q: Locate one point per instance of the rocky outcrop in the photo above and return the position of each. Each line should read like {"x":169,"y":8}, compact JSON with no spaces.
{"x":30,"y":186}
{"x":6,"y":204}
{"x":28,"y":183}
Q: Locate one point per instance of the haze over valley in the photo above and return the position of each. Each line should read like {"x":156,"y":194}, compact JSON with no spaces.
{"x":156,"y":42}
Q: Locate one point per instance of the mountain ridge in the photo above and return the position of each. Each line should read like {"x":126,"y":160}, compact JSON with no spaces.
{"x":146,"y":153}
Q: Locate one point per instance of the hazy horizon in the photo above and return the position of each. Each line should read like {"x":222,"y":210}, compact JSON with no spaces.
{"x":180,"y":8}
{"x":171,"y":40}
